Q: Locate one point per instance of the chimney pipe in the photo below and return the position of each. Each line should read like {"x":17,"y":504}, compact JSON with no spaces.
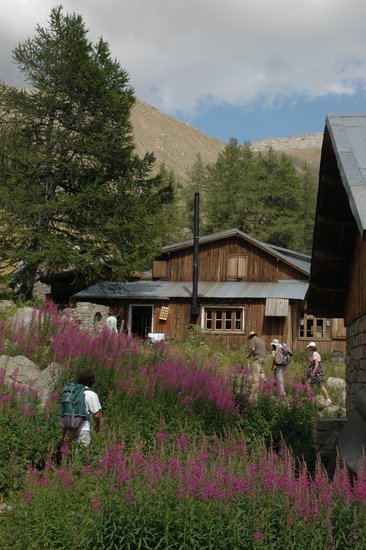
{"x":194,"y":306}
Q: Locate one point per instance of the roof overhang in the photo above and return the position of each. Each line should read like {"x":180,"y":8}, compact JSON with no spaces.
{"x":167,"y":290}
{"x":340,"y":213}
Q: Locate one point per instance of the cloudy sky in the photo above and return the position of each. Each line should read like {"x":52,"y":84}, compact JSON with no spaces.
{"x":250,"y":69}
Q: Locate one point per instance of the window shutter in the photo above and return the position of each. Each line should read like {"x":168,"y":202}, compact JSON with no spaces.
{"x":242,"y":267}
{"x":160,"y":269}
{"x":276,"y":307}
{"x":232,"y":267}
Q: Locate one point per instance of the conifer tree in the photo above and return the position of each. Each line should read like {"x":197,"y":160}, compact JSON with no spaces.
{"x":73,"y":191}
{"x":261,"y":194}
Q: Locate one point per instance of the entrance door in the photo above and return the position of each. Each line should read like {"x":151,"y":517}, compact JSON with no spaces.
{"x":141,"y":320}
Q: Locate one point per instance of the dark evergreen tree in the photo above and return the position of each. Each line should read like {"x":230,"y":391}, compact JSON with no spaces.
{"x":230,"y":181}
{"x":309,"y":193}
{"x":278,"y":200}
{"x":198,"y":181}
{"x":261,"y":194}
{"x":73,"y":191}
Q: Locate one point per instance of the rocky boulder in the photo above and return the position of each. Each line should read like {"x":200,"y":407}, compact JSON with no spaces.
{"x":336,"y":383}
{"x":19,"y":370}
{"x":23,"y":317}
{"x":25,"y":374}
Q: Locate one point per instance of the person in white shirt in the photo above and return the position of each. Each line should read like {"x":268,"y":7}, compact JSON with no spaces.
{"x":93,"y":409}
{"x":112,"y":323}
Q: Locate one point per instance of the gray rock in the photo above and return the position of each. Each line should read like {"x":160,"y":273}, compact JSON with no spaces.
{"x":47,"y":380}
{"x":23,"y":317}
{"x":5,"y":304}
{"x":19,"y":369}
{"x":23,"y":372}
{"x":336,"y":383}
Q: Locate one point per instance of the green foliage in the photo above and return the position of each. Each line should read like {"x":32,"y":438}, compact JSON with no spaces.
{"x":261,"y":194}
{"x":68,"y":161}
{"x":28,"y":434}
{"x":277,"y":421}
{"x":160,"y":474}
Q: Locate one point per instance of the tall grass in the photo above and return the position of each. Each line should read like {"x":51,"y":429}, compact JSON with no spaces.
{"x":185,"y":493}
{"x":186,"y":459}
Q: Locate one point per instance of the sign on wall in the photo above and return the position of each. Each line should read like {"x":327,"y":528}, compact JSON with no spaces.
{"x":164,"y":313}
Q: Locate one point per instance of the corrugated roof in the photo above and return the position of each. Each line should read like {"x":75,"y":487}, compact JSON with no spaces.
{"x":348,"y":136}
{"x":164,"y":290}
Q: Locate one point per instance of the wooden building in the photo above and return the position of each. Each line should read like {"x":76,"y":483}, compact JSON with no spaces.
{"x":243,"y":285}
{"x":337,"y":281}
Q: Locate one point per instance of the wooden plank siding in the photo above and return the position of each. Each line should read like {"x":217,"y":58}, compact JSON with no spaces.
{"x":228,"y":321}
{"x":214,"y":263}
{"x":356,"y":295}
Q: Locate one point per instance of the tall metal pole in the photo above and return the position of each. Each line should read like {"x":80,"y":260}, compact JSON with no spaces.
{"x":194,"y":306}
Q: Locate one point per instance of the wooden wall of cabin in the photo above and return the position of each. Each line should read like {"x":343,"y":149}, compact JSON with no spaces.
{"x":214,"y":258}
{"x":356,"y":296}
{"x":174,"y":326}
{"x":269,"y":327}
{"x":177,"y":321}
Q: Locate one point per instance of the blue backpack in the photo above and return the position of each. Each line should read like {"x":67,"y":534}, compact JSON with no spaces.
{"x":73,"y":407}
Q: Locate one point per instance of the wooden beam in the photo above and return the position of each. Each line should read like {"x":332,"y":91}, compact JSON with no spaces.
{"x":330,"y":256}
{"x":326,"y":290}
{"x":326,"y":220}
{"x":330,"y":179}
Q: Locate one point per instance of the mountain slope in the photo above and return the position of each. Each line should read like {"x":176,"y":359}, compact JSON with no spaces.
{"x":177,"y":144}
{"x":174,"y":143}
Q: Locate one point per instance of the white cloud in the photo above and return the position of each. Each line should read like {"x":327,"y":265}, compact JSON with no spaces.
{"x":182,"y":53}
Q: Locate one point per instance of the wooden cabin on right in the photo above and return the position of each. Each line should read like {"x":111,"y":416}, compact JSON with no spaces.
{"x":337,"y":278}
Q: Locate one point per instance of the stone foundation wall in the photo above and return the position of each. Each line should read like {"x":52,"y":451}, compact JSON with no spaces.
{"x":90,"y":315}
{"x":41,"y":291}
{"x":355,"y":360}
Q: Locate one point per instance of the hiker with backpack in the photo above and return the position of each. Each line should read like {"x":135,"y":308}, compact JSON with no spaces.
{"x":258,"y":351}
{"x":315,"y":372}
{"x":79,"y":407}
{"x":281,"y":358}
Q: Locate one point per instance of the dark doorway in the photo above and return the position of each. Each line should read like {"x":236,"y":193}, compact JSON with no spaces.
{"x":141,"y":321}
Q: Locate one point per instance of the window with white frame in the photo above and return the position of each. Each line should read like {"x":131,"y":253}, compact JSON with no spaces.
{"x":223,"y":319}
{"x":314,"y":327}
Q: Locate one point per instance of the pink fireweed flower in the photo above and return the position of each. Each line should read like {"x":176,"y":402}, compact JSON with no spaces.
{"x":182,"y":441}
{"x":175,"y":468}
{"x":162,"y":438}
{"x":48,"y":463}
{"x":43,"y":482}
{"x":68,"y":481}
{"x":28,"y":497}
{"x":359,"y":489}
{"x":65,"y":449}
{"x":33,"y":471}
{"x":96,"y":505}
{"x":211,"y":491}
{"x":130,"y":497}
{"x":257,"y":535}
{"x":137,"y":461}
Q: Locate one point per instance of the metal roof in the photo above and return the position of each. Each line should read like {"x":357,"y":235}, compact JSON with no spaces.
{"x":302,"y":261}
{"x":295,"y":259}
{"x":340,"y":212}
{"x":348,"y":136}
{"x":165,"y":290}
